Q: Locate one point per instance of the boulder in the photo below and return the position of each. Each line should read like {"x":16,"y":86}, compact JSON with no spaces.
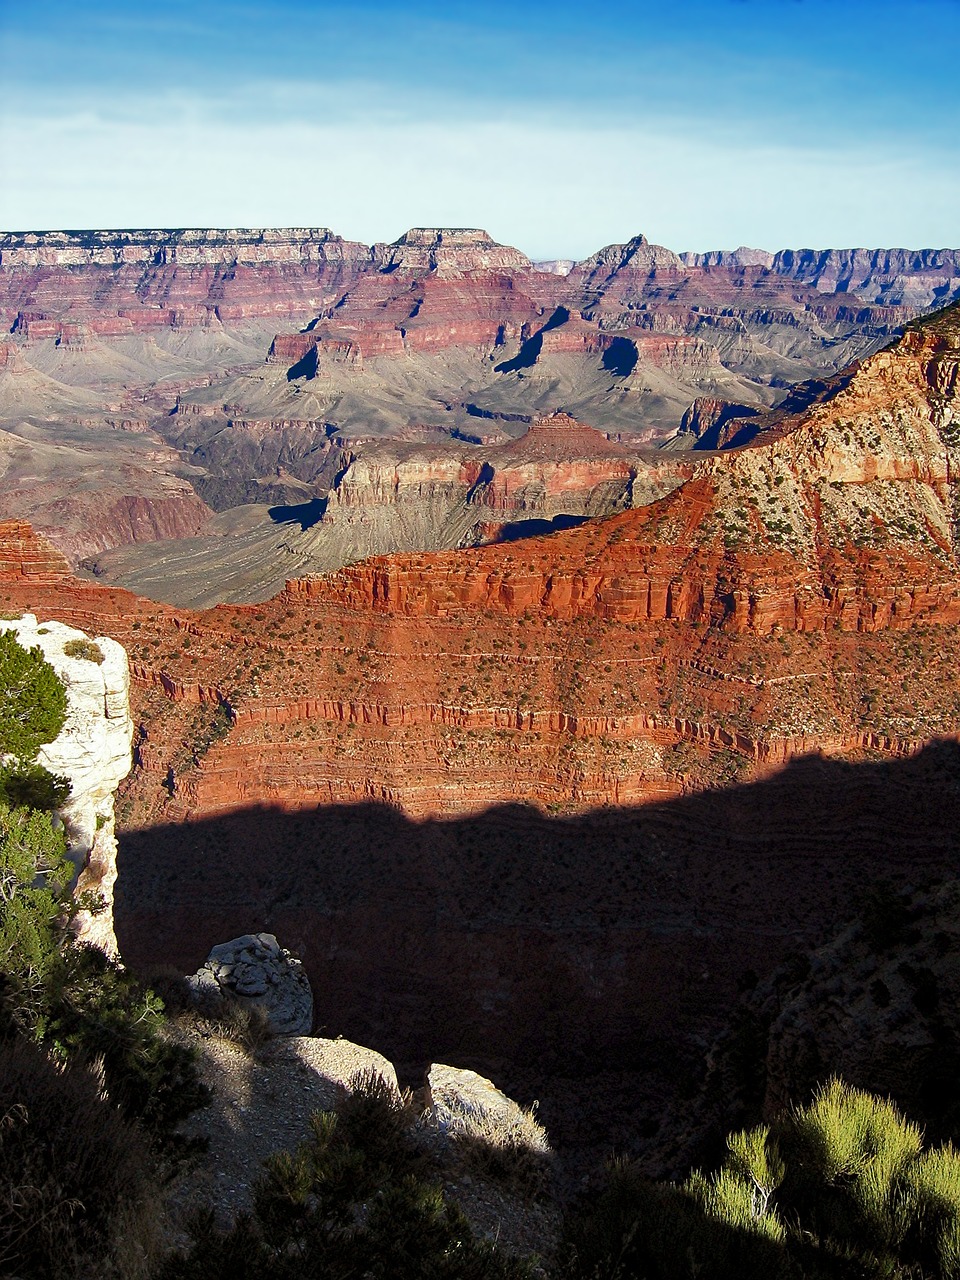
{"x":328,"y":1067}
{"x":255,"y":972}
{"x":465,"y":1105}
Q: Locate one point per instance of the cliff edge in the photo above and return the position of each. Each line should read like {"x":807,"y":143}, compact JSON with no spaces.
{"x":92,"y":751}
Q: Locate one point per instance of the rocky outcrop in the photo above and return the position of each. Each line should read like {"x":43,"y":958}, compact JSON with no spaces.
{"x":457,"y":303}
{"x":637,"y":257}
{"x":255,"y":972}
{"x":708,"y":416}
{"x":265,"y":1101}
{"x":449,"y":251}
{"x":338,"y":1066}
{"x":92,"y":751}
{"x":26,"y":558}
{"x":465,"y":1106}
{"x":558,"y":466}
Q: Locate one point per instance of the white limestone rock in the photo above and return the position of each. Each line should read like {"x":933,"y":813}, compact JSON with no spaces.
{"x":256,"y":972}
{"x":330,"y":1066}
{"x":464,"y":1105}
{"x":93,"y":752}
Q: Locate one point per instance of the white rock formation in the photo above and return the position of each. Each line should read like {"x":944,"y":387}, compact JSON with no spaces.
{"x":256,"y":972}
{"x":463,"y":1104}
{"x":93,"y":752}
{"x":331,"y":1065}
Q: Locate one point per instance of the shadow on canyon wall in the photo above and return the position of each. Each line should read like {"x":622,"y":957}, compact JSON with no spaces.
{"x":578,"y":953}
{"x":306,"y":514}
{"x":538,"y":527}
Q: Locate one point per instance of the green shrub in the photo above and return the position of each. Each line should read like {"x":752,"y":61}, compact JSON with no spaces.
{"x":24,"y":785}
{"x":839,"y":1188}
{"x":634,"y":1228}
{"x":848,"y":1153}
{"x":75,"y":999}
{"x":376,"y":1120}
{"x":349,"y":1202}
{"x":92,"y":1086}
{"x":97,"y":1010}
{"x":89,"y":650}
{"x":76,"y":1186}
{"x":933,"y":1183}
{"x":33,"y":702}
{"x":516,"y":1154}
{"x":34,"y":873}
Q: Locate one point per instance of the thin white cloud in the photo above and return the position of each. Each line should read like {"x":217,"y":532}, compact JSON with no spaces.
{"x":550,"y":188}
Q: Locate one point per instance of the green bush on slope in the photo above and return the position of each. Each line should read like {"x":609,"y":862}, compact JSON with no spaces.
{"x":33,"y":708}
{"x":34,"y":874}
{"x":352,"y":1201}
{"x":74,"y":999}
{"x":76,"y":1179}
{"x":33,"y":702}
{"x":25,"y":785}
{"x":91,"y":1087}
{"x":840,"y":1188}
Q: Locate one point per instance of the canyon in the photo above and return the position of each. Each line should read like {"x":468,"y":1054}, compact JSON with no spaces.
{"x":537,"y":805}
{"x":201,"y":414}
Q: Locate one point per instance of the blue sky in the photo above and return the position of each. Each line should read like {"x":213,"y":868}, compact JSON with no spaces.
{"x":558,"y":127}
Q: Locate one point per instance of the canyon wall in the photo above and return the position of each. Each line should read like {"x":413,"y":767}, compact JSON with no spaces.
{"x":151,"y":377}
{"x":921,"y":278}
{"x":543,"y":803}
{"x":130,"y":281}
{"x":754,"y":612}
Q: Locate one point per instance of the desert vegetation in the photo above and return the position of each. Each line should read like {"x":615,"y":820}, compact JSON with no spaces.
{"x":91,"y":1086}
{"x":841,"y":1187}
{"x":34,"y":703}
{"x":358,"y":1197}
{"x":88,"y":650}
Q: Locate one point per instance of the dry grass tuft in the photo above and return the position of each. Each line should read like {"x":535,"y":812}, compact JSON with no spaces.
{"x":514,"y":1152}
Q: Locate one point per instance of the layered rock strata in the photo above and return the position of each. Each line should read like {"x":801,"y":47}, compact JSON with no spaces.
{"x":921,"y":278}
{"x":557,"y":474}
{"x":838,"y":522}
{"x":121,"y":282}
{"x":607,"y":771}
{"x":286,"y":353}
